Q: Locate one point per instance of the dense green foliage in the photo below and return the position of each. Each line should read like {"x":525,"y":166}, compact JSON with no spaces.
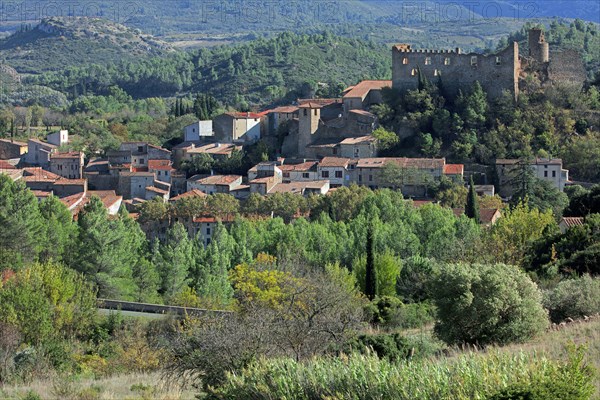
{"x":264,"y":70}
{"x":483,"y":304}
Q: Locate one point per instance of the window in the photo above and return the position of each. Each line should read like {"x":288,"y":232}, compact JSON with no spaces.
{"x":325,"y":174}
{"x":315,"y":111}
{"x":207,"y":241}
{"x":473,"y":61}
{"x":305,"y":175}
{"x":158,"y":173}
{"x":447,"y":61}
{"x":334,"y":151}
{"x":413,"y":72}
{"x":208,"y":230}
{"x":370,"y":178}
{"x":356,"y":152}
{"x":360,"y":178}
{"x":427,"y":60}
{"x":405,"y":61}
{"x":338,"y":174}
{"x":140,"y":149}
{"x":286,"y":174}
{"x":305,"y":113}
{"x":194,"y":130}
{"x":554,"y":174}
{"x":545,"y":174}
{"x":141,"y":161}
{"x":436,"y":72}
{"x":498,"y":60}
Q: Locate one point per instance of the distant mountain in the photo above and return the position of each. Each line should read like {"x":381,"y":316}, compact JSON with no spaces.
{"x":60,"y":42}
{"x":161,"y":17}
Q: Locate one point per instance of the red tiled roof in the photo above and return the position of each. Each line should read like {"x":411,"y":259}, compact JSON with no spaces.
{"x":419,"y":163}
{"x":358,"y":140}
{"x":76,"y":202}
{"x":160,"y":165}
{"x":305,"y":166}
{"x":362,"y":112}
{"x":321,"y":102}
{"x":486,"y":215}
{"x":191,"y":193}
{"x":37,"y":174}
{"x":572,"y":221}
{"x":65,"y":181}
{"x":537,"y":161}
{"x":284,"y":109}
{"x":215,"y":179}
{"x":363,"y":88}
{"x":421,"y":203}
{"x":15,"y":142}
{"x":245,"y":115}
{"x":71,"y":154}
{"x":311,"y":105}
{"x":334,"y":162}
{"x":454,"y":169}
{"x":6,"y":165}
{"x":156,"y":190}
{"x":211,"y":219}
{"x":41,"y":193}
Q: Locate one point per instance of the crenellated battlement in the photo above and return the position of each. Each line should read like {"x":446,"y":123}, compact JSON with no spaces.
{"x":406,"y":48}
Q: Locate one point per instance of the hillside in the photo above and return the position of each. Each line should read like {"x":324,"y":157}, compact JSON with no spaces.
{"x":256,"y":72}
{"x":59,"y":42}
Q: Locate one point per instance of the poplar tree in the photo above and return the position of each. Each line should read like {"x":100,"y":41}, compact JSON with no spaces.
{"x":472,"y":208}
{"x":370,"y":270}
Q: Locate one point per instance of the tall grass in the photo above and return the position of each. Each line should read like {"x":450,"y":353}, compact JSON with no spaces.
{"x":364,"y":376}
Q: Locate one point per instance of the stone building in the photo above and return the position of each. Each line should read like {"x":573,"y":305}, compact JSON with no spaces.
{"x":68,"y":165}
{"x":456,"y":70}
{"x":497,"y":73}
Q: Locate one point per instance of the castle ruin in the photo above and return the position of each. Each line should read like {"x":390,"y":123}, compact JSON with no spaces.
{"x":496,"y":73}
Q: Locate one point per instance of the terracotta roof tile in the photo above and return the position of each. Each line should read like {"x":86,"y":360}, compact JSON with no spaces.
{"x":363,"y":88}
{"x":335,"y":162}
{"x":454,"y":169}
{"x":191,"y":193}
{"x":572,"y":221}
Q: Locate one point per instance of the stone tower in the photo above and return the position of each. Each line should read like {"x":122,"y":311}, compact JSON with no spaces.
{"x":308,"y":123}
{"x":539,"y":49}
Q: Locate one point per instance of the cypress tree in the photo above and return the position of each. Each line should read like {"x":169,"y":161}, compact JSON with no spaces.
{"x":370,"y":271}
{"x":472,"y":209}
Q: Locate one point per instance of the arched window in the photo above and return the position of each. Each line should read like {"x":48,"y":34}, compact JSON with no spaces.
{"x":405,"y":61}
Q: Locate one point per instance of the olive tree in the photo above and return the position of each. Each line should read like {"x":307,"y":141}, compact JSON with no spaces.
{"x":485,"y":304}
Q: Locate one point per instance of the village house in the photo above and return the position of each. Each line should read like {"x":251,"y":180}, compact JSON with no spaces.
{"x":187,"y":150}
{"x":11,"y":149}
{"x":411,"y":175}
{"x":68,"y":165}
{"x":162,"y":170}
{"x":547,"y":169}
{"x":199,"y":130}
{"x":75,"y":203}
{"x":337,"y":170}
{"x":238,"y":127}
{"x":214,"y":183}
{"x":41,"y":181}
{"x":364,"y":94}
{"x":487,"y":216}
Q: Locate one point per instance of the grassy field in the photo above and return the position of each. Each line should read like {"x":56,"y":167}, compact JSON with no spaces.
{"x":150,"y":386}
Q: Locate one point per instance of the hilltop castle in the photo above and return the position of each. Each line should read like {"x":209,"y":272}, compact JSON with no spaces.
{"x":496,"y":73}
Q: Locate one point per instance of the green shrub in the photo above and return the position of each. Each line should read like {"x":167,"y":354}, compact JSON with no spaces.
{"x":392,"y":346}
{"x":389,"y":312}
{"x":484,"y":304}
{"x":31,"y":395}
{"x":573,"y":298}
{"x":571,"y":381}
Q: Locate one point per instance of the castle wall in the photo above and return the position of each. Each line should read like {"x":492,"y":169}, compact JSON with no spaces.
{"x":567,"y":67}
{"x":496,"y":72}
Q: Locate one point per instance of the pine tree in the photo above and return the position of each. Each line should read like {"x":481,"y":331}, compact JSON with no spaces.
{"x":370,"y":272}
{"x":472,"y":209}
